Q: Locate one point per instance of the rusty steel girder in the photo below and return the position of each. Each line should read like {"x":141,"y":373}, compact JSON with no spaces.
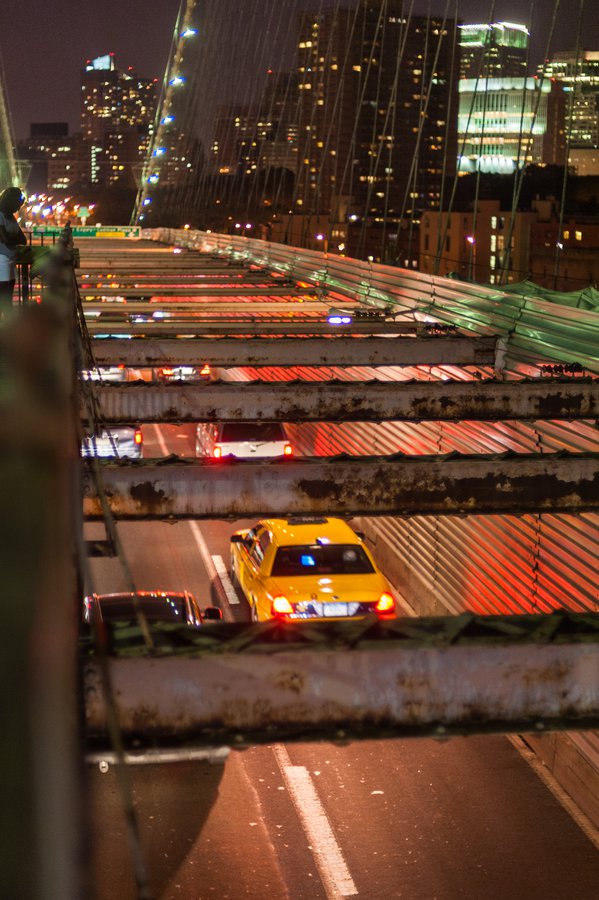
{"x":318,"y":351}
{"x":237,"y":684}
{"x":371,"y":486}
{"x":335,"y":401}
{"x":117,"y":321}
{"x":184,"y":289}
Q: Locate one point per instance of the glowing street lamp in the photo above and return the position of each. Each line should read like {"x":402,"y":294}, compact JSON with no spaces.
{"x":325,"y":241}
{"x":472,"y":260}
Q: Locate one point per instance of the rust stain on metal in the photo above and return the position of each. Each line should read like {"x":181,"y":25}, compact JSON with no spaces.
{"x":290,"y":681}
{"x":554,"y":673}
{"x":148,"y":495}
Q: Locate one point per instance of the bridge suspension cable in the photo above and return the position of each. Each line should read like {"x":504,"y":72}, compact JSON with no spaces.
{"x":10,"y":175}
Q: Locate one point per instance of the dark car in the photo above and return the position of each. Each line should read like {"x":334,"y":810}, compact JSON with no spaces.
{"x":157,"y":606}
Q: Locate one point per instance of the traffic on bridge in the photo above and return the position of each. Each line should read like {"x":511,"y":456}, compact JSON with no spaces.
{"x":300,"y":517}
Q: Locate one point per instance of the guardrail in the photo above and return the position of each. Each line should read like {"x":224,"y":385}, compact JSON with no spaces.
{"x":533,"y":330}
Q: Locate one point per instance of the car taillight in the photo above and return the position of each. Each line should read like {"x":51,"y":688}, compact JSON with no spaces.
{"x":288,"y":450}
{"x":138,"y":436}
{"x":205,"y":370}
{"x":281,"y":606}
{"x":167,"y":372}
{"x":217,"y":452}
{"x":386,"y":604}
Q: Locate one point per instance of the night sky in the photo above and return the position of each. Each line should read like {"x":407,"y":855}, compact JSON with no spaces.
{"x":44,"y":43}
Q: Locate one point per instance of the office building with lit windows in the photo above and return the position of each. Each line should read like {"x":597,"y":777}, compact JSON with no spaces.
{"x":53,"y":159}
{"x":579,"y":74}
{"x":507,"y":123}
{"x":117,"y":116}
{"x":506,"y":120}
{"x":498,"y":50}
{"x":248,"y":139}
{"x":377,"y":112}
{"x":491,"y":247}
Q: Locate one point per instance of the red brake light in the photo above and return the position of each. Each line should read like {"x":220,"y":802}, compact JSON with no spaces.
{"x":217,"y":452}
{"x":138,"y":436}
{"x":386,"y":604}
{"x":205,"y":370}
{"x":288,"y":450}
{"x":281,"y":606}
{"x":167,"y":371}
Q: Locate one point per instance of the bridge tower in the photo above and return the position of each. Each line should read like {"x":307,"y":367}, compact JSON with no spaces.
{"x":10,"y":175}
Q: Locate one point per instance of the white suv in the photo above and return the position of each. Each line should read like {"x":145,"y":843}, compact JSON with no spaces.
{"x":242,"y":439}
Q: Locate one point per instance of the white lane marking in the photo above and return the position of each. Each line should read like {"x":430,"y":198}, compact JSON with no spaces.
{"x":211,"y":569}
{"x":225,"y":580}
{"x":335,"y":875}
{"x":215,"y":566}
{"x":161,"y":441}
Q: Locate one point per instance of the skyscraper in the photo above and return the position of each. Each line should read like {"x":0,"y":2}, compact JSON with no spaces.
{"x":376,"y":112}
{"x":506,"y":120}
{"x":117,"y":114}
{"x":579,"y":74}
{"x":499,"y":50}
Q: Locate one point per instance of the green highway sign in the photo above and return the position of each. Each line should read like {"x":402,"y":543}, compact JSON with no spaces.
{"x":104,"y":231}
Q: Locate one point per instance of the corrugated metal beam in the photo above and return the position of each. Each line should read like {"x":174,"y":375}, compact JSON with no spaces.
{"x":372,"y":486}
{"x":333,"y":351}
{"x":189,"y":290}
{"x":299,"y":401}
{"x":117,"y":321}
{"x":220,"y":307}
{"x":359,"y":679}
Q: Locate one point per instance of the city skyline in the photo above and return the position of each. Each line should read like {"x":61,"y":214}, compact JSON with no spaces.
{"x":52,"y":93}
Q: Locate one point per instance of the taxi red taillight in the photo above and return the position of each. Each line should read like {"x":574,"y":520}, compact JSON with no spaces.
{"x":167,"y":372}
{"x":281,"y":606}
{"x":138,"y":436}
{"x":386,"y":604}
{"x":288,"y":450}
{"x":217,"y":452}
{"x":205,"y":370}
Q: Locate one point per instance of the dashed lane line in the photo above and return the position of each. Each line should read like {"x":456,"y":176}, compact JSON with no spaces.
{"x":211,"y":570}
{"x":334,"y":873}
{"x":222,"y":573}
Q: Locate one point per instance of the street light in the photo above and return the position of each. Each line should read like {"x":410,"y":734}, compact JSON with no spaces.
{"x":322,"y":237}
{"x":472,"y":260}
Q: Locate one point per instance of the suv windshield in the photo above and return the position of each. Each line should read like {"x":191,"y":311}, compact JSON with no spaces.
{"x":322,"y":559}
{"x":254,"y":432}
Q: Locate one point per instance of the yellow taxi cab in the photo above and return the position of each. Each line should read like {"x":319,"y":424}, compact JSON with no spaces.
{"x":304,"y":569}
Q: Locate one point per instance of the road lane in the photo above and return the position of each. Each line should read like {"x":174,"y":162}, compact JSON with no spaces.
{"x":417,"y":819}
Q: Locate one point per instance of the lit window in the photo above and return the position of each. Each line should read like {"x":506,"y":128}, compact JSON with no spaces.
{"x":578,"y":235}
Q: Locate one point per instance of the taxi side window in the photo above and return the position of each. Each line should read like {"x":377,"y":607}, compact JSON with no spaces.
{"x":258,"y":549}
